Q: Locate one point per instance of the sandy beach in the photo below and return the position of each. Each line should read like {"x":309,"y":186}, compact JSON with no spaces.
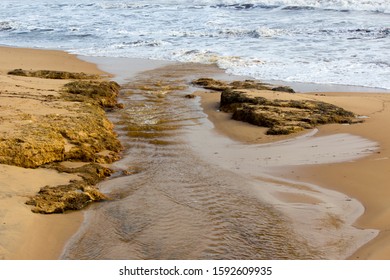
{"x":365,"y":179}
{"x":25,"y":235}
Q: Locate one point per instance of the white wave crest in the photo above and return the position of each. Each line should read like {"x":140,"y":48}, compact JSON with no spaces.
{"x":363,"y":5}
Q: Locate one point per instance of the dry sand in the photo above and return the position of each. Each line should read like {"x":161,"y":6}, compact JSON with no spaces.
{"x":24,"y":235}
{"x":365,"y":179}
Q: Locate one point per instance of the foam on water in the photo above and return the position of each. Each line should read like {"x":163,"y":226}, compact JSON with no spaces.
{"x":319,"y":41}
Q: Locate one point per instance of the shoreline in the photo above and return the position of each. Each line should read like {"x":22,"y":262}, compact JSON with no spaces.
{"x":360,"y":174}
{"x":73,"y":221}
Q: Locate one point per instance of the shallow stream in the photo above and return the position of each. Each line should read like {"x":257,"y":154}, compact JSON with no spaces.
{"x":174,"y":198}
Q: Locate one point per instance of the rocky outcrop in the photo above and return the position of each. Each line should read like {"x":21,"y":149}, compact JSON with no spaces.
{"x":85,"y":134}
{"x":49,"y":74}
{"x":217,"y":85}
{"x":280,"y":116}
{"x":104,"y":93}
{"x":36,"y":147}
{"x":73,"y":196}
{"x":81,"y":132}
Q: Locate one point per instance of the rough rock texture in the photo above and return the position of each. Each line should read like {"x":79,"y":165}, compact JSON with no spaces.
{"x":280,"y":116}
{"x":103,"y":93}
{"x":212,"y":84}
{"x":86,"y":135}
{"x":59,"y":199}
{"x":38,"y":146}
{"x":48,"y":74}
{"x":73,"y":196}
{"x":69,"y":125}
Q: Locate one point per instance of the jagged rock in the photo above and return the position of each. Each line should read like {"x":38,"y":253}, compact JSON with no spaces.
{"x":50,"y":74}
{"x":231,"y":99}
{"x":80,"y":131}
{"x":283,"y":89}
{"x":217,"y":85}
{"x":249,"y":84}
{"x":104,"y":93}
{"x":73,"y":196}
{"x":282,"y":116}
{"x":284,"y":130}
{"x":44,"y":141}
{"x":32,"y":152}
{"x":92,"y":173}
{"x":212,"y":84}
{"x":59,"y":199}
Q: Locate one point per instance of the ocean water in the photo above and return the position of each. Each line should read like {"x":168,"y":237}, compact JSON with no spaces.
{"x":345,"y":42}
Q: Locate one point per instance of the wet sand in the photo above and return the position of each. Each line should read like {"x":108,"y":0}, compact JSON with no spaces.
{"x":346,"y":160}
{"x":365,"y":179}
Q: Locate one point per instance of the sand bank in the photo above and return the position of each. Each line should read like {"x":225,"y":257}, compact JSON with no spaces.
{"x":366,"y":179}
{"x":349,"y":159}
{"x":23,"y":234}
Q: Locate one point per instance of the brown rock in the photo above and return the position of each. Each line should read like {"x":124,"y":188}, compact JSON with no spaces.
{"x":282,"y":116}
{"x":49,"y":74}
{"x":80,"y":131}
{"x":212,"y":84}
{"x":104,"y":93}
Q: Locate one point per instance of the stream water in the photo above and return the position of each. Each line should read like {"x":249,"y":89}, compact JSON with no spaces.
{"x":170,"y":200}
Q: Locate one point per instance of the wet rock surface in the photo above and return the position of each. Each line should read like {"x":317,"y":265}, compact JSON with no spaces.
{"x":280,"y":116}
{"x":79,"y":132}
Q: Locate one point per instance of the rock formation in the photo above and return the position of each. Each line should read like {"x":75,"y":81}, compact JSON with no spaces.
{"x":80,"y":131}
{"x":280,"y":116}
